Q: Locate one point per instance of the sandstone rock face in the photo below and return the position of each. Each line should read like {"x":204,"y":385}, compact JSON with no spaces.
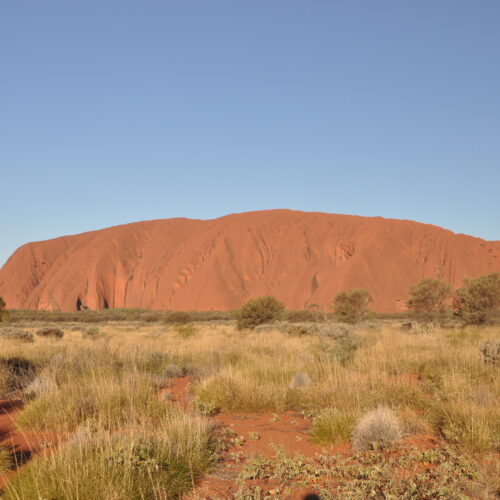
{"x":181,"y":264}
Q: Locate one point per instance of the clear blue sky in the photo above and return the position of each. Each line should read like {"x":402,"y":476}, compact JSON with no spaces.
{"x":118,"y":111}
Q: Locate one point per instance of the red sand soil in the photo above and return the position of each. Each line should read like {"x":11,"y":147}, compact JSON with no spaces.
{"x":264,"y":434}
{"x":183,"y":264}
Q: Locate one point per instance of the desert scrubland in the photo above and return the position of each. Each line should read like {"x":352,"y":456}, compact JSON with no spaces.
{"x":147,"y":410}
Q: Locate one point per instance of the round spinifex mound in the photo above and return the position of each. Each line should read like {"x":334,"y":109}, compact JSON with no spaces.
{"x":377,"y":429}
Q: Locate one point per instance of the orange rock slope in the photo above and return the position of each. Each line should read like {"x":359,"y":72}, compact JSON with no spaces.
{"x":182,"y":264}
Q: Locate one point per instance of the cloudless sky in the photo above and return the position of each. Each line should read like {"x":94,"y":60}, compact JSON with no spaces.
{"x":115,"y":111}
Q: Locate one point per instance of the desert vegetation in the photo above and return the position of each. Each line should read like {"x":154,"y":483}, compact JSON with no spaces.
{"x":149,"y":409}
{"x":429,"y":296}
{"x":352,"y":306}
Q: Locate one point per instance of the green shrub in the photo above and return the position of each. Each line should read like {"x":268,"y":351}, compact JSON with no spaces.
{"x":49,"y":331}
{"x":428,"y":296}
{"x":352,"y":306}
{"x":478,"y":299}
{"x":259,"y":311}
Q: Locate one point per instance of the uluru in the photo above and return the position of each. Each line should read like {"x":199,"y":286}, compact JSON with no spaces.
{"x":303,"y":258}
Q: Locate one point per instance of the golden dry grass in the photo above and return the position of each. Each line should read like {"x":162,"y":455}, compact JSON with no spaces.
{"x":434,"y":379}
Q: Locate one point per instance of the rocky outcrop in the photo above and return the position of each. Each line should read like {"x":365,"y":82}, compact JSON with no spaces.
{"x":182,"y":264}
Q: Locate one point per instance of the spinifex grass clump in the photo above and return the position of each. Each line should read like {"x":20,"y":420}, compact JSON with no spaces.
{"x":94,"y":384}
{"x":378,"y":429}
{"x":157,"y":461}
{"x":16,"y":372}
{"x":333,"y":425}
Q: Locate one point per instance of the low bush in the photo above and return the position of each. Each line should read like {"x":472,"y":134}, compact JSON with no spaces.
{"x":178,"y":317}
{"x":92,"y":332}
{"x":377,"y":429}
{"x":299,"y":329}
{"x":341,"y":349}
{"x":16,"y":334}
{"x":491,"y":352}
{"x":50,"y":331}
{"x":186,"y":330}
{"x":302,"y":316}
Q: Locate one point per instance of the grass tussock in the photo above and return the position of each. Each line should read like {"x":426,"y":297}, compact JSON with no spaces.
{"x":332,"y":426}
{"x":6,"y":460}
{"x":159,"y":463}
{"x":94,"y":384}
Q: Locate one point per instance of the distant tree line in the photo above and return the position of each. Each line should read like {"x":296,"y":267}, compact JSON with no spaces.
{"x":475,"y":302}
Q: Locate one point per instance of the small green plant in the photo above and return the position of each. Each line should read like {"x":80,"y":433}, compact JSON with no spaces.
{"x":377,"y":429}
{"x":352,"y":306}
{"x":49,"y":331}
{"x":92,"y":332}
{"x":206,"y":408}
{"x":478,"y":299}
{"x":259,"y":311}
